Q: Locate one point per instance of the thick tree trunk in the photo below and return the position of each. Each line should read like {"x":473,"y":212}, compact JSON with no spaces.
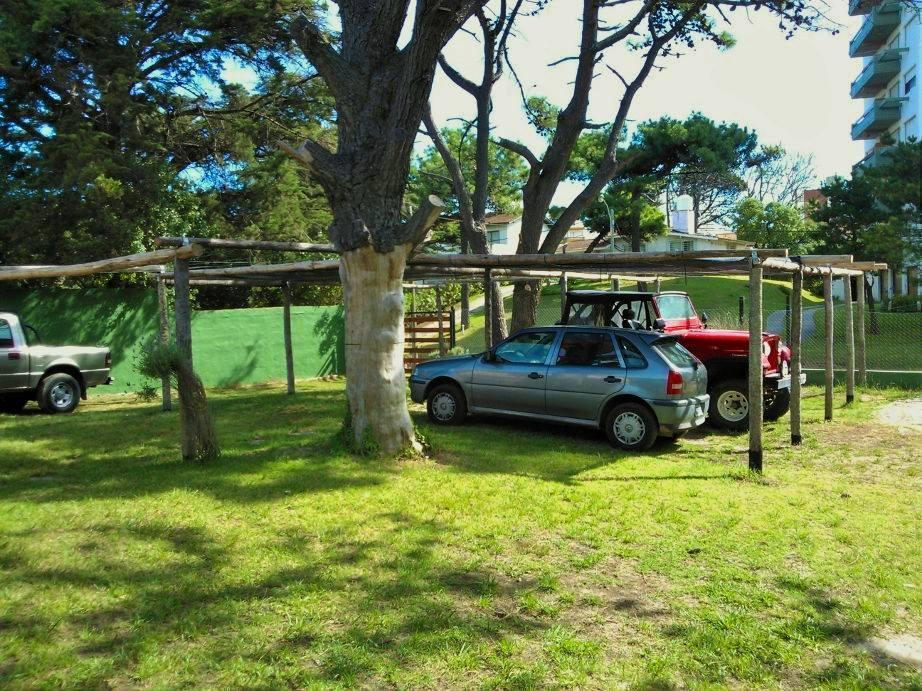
{"x":373,"y":298}
{"x":525,"y":299}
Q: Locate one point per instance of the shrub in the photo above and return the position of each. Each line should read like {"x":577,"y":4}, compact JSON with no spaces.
{"x":904,"y":303}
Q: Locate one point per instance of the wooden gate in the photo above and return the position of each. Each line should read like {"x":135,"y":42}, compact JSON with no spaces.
{"x":427,"y":335}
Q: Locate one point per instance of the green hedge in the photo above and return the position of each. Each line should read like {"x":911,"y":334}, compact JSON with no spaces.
{"x":229,"y":346}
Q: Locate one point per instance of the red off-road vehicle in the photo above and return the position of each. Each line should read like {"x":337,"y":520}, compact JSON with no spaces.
{"x":724,"y":353}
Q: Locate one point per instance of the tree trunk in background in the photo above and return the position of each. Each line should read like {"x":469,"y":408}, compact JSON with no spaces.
{"x":525,"y":299}
{"x":465,"y":294}
{"x":375,"y":385}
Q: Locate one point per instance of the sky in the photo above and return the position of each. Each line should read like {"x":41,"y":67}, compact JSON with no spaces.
{"x":793,"y":92}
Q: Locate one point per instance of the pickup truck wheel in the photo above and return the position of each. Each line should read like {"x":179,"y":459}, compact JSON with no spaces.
{"x":13,"y":404}
{"x":446,"y":405}
{"x":730,"y":405}
{"x":777,"y":404}
{"x":630,"y":426}
{"x":59,"y":393}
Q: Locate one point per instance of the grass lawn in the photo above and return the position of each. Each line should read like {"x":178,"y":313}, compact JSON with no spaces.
{"x":717,"y":295}
{"x":515,"y":556}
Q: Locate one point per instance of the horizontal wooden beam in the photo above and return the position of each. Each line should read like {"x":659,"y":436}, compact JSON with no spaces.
{"x":102,"y":266}
{"x":823,"y":259}
{"x":272,"y":245}
{"x":788,"y":266}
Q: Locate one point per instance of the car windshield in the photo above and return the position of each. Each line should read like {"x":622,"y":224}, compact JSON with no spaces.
{"x":528,"y":348}
{"x":675,"y":307}
{"x":675,"y":353}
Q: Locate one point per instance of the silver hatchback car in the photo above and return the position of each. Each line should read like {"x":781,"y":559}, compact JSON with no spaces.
{"x":635,"y":385}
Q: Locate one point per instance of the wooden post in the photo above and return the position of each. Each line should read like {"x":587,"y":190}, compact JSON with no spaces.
{"x":183,"y":315}
{"x":860,"y":352}
{"x":797,"y":320}
{"x":286,"y":325}
{"x":488,"y":308}
{"x":912,"y":281}
{"x":755,"y":394}
{"x":438,"y":309}
{"x":849,"y":342}
{"x":616,"y":284}
{"x":884,"y":281}
{"x":656,"y":285}
{"x":166,"y":394}
{"x":829,"y":324}
{"x":563,"y":295}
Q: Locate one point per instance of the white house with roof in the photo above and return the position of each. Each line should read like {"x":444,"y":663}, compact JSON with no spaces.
{"x":503,"y":231}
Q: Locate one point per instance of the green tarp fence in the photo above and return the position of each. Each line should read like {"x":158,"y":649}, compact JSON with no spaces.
{"x":230,"y":347}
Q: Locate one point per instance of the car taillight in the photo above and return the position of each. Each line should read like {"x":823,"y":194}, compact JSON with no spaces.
{"x":674,"y":382}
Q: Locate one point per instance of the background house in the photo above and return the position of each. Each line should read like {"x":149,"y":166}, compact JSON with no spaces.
{"x":503,"y":231}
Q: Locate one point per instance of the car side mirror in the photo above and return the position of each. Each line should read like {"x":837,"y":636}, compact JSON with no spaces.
{"x":659,"y":324}
{"x":704,"y":319}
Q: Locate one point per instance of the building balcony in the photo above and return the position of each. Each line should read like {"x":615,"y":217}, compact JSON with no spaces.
{"x":881,"y":116}
{"x":876,"y":156}
{"x":875,"y":30}
{"x":878,"y":72}
{"x":857,"y":7}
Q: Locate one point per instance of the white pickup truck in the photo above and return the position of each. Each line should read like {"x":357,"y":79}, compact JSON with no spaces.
{"x":57,"y":377}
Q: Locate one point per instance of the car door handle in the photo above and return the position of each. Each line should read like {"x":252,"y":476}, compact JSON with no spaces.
{"x":612,"y":380}
{"x":535,"y":375}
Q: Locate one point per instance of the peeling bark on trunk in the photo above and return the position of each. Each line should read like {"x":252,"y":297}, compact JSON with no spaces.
{"x":525,"y":299}
{"x":373,"y":298}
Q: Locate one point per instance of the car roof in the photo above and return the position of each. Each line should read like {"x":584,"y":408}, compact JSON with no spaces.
{"x":636,"y":294}
{"x":647,"y":336}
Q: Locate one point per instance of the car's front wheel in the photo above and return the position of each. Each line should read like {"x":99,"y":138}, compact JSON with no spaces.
{"x":730,"y":405}
{"x":631,"y":426}
{"x":446,"y":405}
{"x":59,"y":393}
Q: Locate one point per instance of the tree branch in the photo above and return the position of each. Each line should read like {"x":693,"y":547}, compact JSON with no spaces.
{"x":414,"y":231}
{"x":457,"y":77}
{"x":521,"y":150}
{"x":328,"y":63}
{"x":315,"y":158}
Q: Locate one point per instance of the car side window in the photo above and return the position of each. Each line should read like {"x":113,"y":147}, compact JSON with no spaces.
{"x":633,"y":359}
{"x":587,"y":350}
{"x":6,"y":334}
{"x":530,"y":348}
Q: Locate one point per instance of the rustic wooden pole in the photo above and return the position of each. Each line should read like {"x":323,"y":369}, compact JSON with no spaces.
{"x":563,"y":295}
{"x":616,"y":284}
{"x":286,"y":326}
{"x":797,"y":320}
{"x":134,"y":261}
{"x":166,"y":394}
{"x":849,"y":342}
{"x":755,"y":394}
{"x":488,"y":288}
{"x":656,"y":285}
{"x":883,"y":278}
{"x":183,"y":315}
{"x":438,"y":309}
{"x":860,"y":352}
{"x":829,"y":324}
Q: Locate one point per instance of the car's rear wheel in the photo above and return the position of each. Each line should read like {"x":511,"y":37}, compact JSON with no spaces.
{"x":631,"y":426}
{"x":730,"y":405}
{"x":446,"y":405}
{"x":13,"y":403}
{"x":777,"y":403}
{"x":59,"y":393}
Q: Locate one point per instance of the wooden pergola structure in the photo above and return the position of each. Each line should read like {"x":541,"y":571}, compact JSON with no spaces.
{"x":757,"y":264}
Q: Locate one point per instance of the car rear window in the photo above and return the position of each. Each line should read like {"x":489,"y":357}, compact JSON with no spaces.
{"x":633,"y":358}
{"x":675,"y":353}
{"x":6,"y":334}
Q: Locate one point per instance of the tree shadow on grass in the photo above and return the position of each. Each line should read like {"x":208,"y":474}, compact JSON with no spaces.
{"x":746,"y":642}
{"x":118,"y":598}
{"x":549,"y":451}
{"x":273,"y":445}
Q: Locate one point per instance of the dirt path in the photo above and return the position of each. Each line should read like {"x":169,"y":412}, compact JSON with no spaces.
{"x":906,"y":413}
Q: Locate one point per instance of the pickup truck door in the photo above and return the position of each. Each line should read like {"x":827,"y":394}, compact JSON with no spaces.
{"x":14,"y":358}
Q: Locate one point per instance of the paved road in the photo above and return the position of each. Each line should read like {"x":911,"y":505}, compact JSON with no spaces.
{"x":775,"y":322}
